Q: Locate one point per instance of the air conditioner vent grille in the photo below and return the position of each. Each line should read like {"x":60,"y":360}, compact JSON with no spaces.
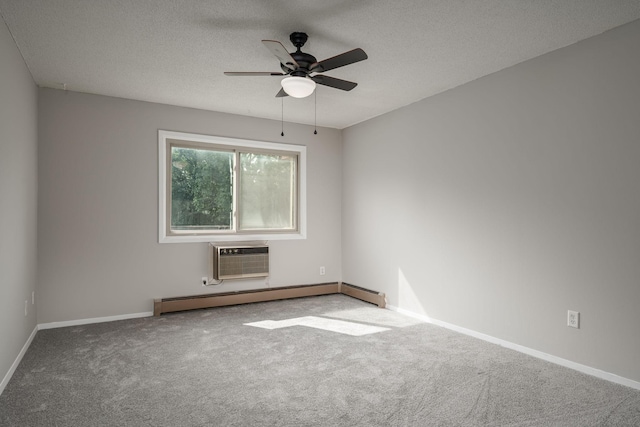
{"x":238,"y":262}
{"x":244,"y":265}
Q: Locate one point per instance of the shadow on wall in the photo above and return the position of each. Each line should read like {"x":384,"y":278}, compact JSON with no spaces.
{"x":407,"y":298}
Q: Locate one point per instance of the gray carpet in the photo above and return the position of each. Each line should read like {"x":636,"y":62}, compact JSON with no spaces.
{"x":208,"y":368}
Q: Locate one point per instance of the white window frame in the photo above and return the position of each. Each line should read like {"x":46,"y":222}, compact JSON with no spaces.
{"x":230,"y":143}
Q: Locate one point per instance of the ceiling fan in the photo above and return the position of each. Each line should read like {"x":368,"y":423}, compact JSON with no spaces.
{"x":302,"y":67}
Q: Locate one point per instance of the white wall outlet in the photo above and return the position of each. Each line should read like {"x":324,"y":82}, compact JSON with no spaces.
{"x":204,"y":280}
{"x":322,"y":271}
{"x":573,"y":319}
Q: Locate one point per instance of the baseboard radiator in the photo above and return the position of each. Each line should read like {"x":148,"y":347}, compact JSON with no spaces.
{"x":169,"y":305}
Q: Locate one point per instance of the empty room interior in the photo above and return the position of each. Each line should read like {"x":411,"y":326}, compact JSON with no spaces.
{"x":474,"y":166}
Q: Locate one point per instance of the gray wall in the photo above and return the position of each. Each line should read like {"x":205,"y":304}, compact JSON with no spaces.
{"x":18,"y":200}
{"x":98,"y":206}
{"x":501,"y":204}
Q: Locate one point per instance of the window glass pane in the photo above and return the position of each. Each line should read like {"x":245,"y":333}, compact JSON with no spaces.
{"x":267,"y":191}
{"x":201,"y":189}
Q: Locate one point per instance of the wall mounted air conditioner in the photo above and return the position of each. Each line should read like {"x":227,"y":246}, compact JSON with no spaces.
{"x":238,"y":261}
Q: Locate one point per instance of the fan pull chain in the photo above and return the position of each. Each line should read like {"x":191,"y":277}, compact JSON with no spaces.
{"x":282,"y":117}
{"x":315,"y":112}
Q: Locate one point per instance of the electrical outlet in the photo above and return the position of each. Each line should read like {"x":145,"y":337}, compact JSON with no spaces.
{"x":322,"y":271}
{"x":573,"y":319}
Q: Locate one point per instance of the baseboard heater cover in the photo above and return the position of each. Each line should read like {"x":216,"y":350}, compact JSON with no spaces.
{"x":169,"y":305}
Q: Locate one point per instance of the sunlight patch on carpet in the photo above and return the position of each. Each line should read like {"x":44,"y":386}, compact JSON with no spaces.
{"x":333,"y":325}
{"x":374,"y":315}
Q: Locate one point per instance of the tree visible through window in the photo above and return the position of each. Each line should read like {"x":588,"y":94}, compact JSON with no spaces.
{"x":201,"y":189}
{"x":210,"y":186}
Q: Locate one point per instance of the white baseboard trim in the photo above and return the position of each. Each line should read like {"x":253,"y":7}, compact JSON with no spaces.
{"x":522,"y":349}
{"x":64,"y":324}
{"x":15,"y":364}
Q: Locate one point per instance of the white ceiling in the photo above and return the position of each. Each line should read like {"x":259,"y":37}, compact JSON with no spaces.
{"x":175,"y":51}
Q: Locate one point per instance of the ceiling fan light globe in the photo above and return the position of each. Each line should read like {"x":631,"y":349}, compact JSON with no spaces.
{"x":298,"y":87}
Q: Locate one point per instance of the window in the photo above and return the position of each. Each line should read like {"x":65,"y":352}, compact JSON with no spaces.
{"x":223,"y":189}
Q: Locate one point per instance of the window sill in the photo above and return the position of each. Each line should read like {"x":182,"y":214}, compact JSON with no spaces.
{"x":204,"y":238}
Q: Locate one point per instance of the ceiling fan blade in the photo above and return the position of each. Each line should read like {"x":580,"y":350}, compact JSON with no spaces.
{"x":252,"y":73}
{"x":341,"y":60}
{"x":333,"y":82}
{"x":281,"y":94}
{"x":281,"y":53}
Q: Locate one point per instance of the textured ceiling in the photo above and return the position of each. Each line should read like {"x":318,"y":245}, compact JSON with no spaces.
{"x":175,"y":51}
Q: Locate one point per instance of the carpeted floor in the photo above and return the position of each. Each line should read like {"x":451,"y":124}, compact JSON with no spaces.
{"x":321,"y":361}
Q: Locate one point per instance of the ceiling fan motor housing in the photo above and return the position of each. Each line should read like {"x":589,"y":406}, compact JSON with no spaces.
{"x":303,"y":59}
